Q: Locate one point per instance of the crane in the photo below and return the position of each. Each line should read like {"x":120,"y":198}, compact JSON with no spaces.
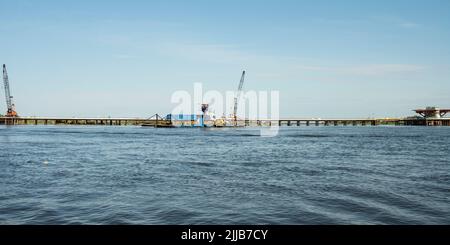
{"x":10,"y":106}
{"x":236,"y":99}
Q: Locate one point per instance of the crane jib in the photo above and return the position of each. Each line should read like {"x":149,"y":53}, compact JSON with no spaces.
{"x":9,"y":103}
{"x":236,"y":99}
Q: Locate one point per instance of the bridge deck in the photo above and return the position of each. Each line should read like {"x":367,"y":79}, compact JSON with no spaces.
{"x":262,"y":122}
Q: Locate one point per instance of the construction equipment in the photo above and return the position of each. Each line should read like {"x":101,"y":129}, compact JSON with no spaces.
{"x":236,"y":99}
{"x":205,"y":108}
{"x":9,"y":104}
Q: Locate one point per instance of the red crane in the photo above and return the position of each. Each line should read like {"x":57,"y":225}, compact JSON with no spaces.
{"x":9,"y":104}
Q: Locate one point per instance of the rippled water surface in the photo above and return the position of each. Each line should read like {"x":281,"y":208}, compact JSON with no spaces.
{"x":306,"y":175}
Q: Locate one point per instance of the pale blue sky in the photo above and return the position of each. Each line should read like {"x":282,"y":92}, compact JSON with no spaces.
{"x":125,"y":58}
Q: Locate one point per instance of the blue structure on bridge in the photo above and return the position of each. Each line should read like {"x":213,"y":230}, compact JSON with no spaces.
{"x":186,"y":120}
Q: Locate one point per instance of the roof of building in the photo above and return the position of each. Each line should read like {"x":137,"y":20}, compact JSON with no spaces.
{"x":432,"y":109}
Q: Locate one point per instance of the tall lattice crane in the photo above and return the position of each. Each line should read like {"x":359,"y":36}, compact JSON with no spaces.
{"x":236,"y":99}
{"x":9,"y":104}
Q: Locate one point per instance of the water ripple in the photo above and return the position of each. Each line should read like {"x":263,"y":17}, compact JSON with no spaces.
{"x":306,"y":175}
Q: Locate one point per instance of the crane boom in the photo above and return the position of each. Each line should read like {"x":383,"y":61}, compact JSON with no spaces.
{"x":9,"y":105}
{"x":236,"y":99}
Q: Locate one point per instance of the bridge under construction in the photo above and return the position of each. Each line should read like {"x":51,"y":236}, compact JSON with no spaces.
{"x":430,"y":116}
{"x":162,"y":122}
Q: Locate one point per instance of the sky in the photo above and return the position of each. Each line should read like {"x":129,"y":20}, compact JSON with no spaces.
{"x":327,"y":59}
